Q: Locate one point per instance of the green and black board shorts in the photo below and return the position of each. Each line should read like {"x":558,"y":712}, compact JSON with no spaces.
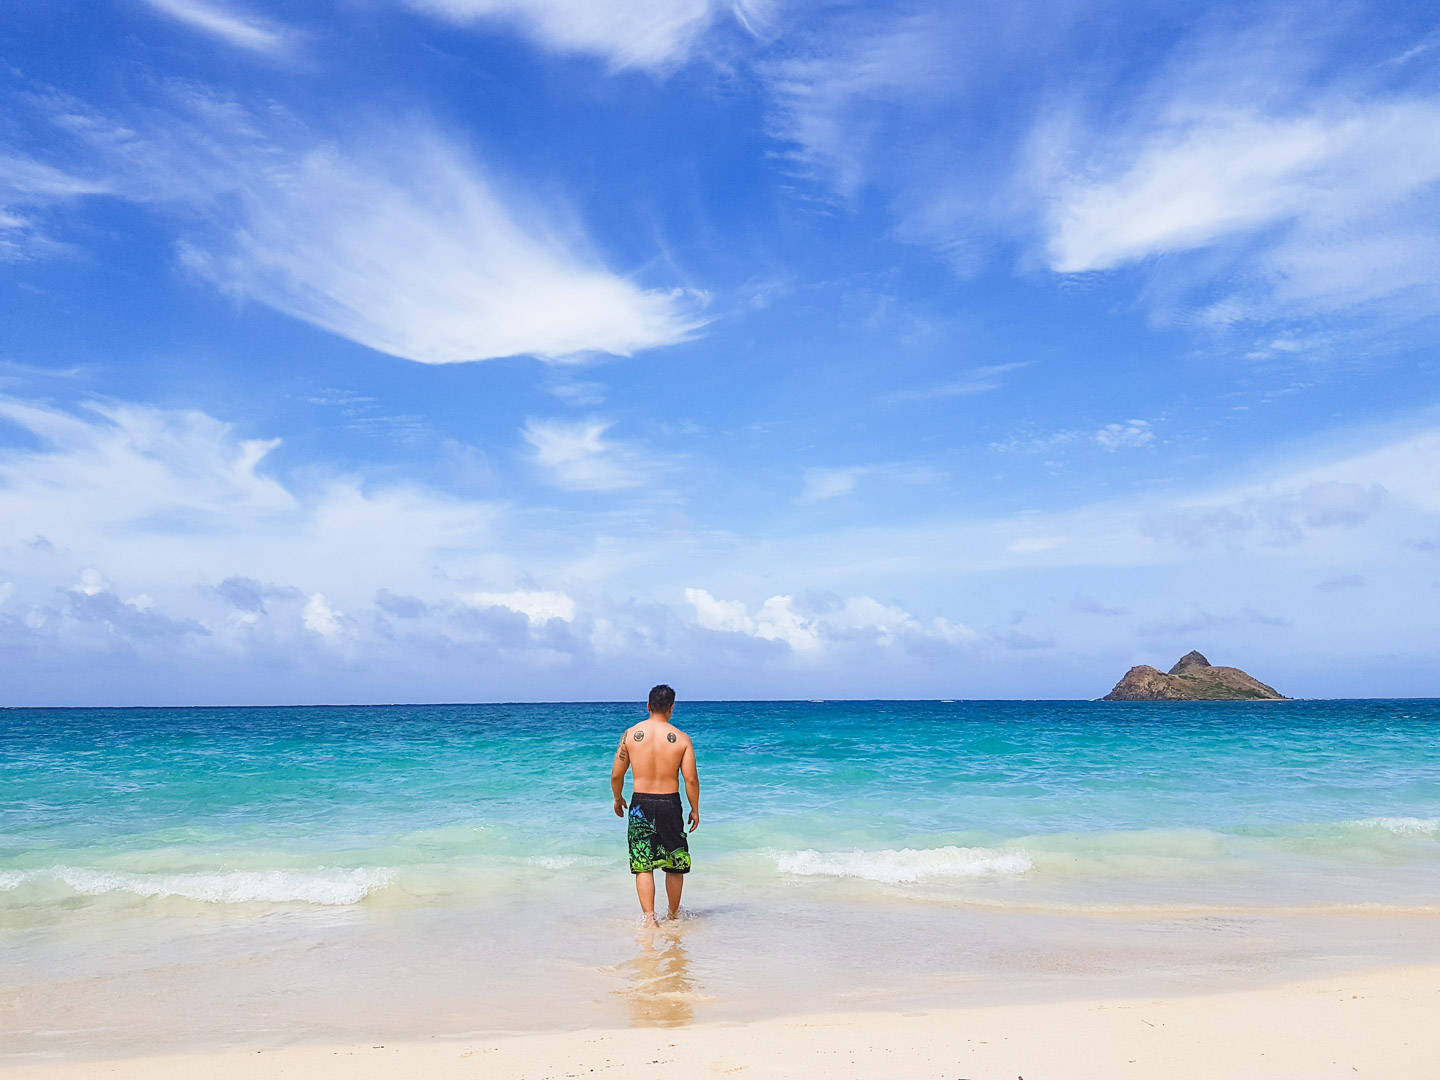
{"x":656,"y":834}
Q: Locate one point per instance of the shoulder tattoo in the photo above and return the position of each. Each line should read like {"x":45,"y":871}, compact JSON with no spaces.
{"x":639,"y":736}
{"x":670,"y":736}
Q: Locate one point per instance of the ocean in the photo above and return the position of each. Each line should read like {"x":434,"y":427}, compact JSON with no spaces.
{"x":266,"y":875}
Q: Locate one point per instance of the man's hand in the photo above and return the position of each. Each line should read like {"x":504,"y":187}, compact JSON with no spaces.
{"x":619,"y":805}
{"x":694,"y":819}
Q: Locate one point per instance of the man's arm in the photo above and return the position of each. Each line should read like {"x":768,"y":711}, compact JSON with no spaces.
{"x":692,"y":784}
{"x":617,"y":776}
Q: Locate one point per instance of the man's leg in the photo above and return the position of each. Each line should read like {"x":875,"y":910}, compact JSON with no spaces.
{"x":674,"y":883}
{"x":645,"y":889}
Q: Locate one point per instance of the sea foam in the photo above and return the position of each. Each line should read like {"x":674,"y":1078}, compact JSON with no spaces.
{"x":1402,"y":826}
{"x":13,"y":879}
{"x":321,"y":886}
{"x":895,"y":867}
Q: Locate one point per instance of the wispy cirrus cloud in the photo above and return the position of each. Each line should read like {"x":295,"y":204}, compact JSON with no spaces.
{"x":1269,"y":173}
{"x":399,"y":240}
{"x":229,"y":24}
{"x":1320,"y":208}
{"x":415,"y":253}
{"x":652,"y":34}
{"x":27,"y":188}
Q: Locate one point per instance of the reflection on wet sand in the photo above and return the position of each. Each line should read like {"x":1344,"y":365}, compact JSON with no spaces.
{"x":660,"y":991}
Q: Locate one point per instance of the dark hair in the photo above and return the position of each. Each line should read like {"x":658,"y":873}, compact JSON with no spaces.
{"x":662,"y":698}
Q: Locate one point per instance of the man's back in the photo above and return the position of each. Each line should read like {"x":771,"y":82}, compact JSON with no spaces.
{"x":659,"y":754}
{"x":656,"y":750}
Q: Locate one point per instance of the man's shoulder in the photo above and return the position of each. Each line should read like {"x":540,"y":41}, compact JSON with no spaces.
{"x":676,"y":735}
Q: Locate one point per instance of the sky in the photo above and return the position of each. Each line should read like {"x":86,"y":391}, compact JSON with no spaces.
{"x":369,"y":351}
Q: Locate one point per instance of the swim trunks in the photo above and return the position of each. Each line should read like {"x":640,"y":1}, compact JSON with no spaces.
{"x":656,"y":833}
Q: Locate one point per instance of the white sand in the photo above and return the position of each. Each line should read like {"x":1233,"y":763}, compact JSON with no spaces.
{"x":1380,"y":1024}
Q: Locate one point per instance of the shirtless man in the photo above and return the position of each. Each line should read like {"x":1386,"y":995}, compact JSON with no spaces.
{"x":657,"y":750}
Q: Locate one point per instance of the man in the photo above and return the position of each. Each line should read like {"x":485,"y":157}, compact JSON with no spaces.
{"x":657,"y":750}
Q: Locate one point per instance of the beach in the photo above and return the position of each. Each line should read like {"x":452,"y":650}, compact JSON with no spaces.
{"x":279,"y":892}
{"x":1378,"y":1024}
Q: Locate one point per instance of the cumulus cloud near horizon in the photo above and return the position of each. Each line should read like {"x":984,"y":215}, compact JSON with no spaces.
{"x":807,"y":627}
{"x":136,"y":535}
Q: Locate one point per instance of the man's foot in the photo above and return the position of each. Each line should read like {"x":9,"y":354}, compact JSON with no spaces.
{"x":648,"y":919}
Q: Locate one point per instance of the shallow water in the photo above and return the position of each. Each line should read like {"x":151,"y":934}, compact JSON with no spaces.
{"x":272,"y":874}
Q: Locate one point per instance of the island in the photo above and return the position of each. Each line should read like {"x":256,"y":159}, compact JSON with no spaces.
{"x":1193,"y":678}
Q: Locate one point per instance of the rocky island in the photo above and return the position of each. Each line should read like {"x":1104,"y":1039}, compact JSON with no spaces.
{"x":1193,"y":678}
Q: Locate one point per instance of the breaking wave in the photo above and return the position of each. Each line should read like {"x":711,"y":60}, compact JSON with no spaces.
{"x":894,"y":867}
{"x":325,"y":887}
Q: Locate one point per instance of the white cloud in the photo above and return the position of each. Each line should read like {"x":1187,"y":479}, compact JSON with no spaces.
{"x":537,"y":605}
{"x":728,"y":615}
{"x":829,"y":109}
{"x":1267,"y":193}
{"x":1326,"y":208}
{"x":807,"y":629}
{"x":229,"y":25}
{"x":396,"y":239}
{"x":631,"y":33}
{"x":92,"y":582}
{"x":1132,"y":433}
{"x":821,"y":484}
{"x":777,"y":620}
{"x":412,"y":252}
{"x":320,"y":618}
{"x":33,"y":185}
{"x":159,"y":501}
{"x":579,"y":456}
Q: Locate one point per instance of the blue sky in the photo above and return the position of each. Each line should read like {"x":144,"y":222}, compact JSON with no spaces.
{"x":428,"y":350}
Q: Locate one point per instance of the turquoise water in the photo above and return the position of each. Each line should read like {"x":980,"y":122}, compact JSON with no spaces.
{"x":205,"y":877}
{"x":1324,"y":802}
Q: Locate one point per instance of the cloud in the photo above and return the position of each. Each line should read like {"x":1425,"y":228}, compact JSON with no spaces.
{"x":396,"y":239}
{"x":537,"y":605}
{"x":1306,"y":210}
{"x":821,"y":484}
{"x":978,"y":380}
{"x":579,"y":457}
{"x":1252,"y":173}
{"x":1131,"y":434}
{"x":653,"y":34}
{"x":1088,"y":605}
{"x":830,"y":105}
{"x":156,"y":501}
{"x":413,"y":253}
{"x":808,"y":628}
{"x":229,"y":25}
{"x":320,"y":618}
{"x":27,"y":186}
{"x":1280,"y":519}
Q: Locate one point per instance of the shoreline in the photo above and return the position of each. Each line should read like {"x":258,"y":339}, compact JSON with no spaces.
{"x":1376,"y":1023}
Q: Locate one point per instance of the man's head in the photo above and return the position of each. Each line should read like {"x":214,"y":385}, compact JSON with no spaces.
{"x":662,"y":700}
